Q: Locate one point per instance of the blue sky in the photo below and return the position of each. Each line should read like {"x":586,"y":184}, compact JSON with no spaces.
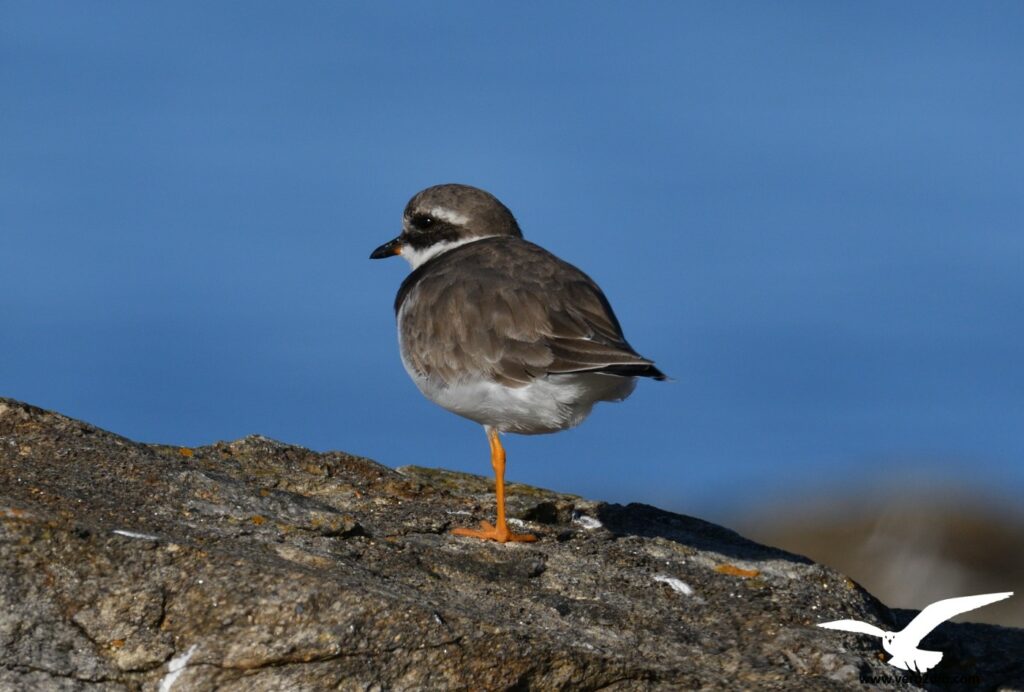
{"x":810,"y":214}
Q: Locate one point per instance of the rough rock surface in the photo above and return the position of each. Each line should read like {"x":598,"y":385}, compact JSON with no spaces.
{"x":255,"y":565}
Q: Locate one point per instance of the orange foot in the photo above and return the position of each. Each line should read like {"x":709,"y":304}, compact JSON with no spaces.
{"x":501,"y":534}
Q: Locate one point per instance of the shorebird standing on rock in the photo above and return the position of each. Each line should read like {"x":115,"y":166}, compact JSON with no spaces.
{"x":499,"y":330}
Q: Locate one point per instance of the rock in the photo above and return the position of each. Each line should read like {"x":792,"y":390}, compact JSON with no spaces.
{"x":255,"y":565}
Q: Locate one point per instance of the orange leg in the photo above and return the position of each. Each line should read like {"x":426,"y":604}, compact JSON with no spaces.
{"x":501,"y":532}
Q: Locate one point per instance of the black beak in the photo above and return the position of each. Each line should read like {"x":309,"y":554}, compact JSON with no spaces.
{"x":392,"y":247}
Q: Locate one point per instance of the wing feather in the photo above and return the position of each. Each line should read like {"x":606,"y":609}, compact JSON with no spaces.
{"x":509,"y":308}
{"x":940,"y":611}
{"x":853,"y":626}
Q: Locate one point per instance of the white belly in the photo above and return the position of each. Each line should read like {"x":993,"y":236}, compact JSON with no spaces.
{"x":548,"y":404}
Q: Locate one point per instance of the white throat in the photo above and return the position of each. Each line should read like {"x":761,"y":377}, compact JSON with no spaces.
{"x":417,"y":257}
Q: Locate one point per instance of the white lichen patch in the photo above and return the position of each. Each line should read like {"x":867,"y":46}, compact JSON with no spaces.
{"x":175,"y":667}
{"x":589,"y":523}
{"x":133,"y":534}
{"x":678,"y":585}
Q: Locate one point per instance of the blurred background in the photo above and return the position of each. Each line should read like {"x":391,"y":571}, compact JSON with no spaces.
{"x":810,"y":214}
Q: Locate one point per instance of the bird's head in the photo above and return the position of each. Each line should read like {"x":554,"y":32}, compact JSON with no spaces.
{"x":443,"y":217}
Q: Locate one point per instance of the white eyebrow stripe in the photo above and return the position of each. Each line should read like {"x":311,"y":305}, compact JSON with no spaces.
{"x":452,"y":217}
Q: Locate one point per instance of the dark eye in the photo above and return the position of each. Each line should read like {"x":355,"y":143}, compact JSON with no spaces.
{"x":422,"y":221}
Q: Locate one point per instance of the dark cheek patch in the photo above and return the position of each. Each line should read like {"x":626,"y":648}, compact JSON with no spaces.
{"x":438,"y":233}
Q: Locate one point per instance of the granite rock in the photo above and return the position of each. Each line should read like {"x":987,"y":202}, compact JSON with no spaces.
{"x":257,"y":565}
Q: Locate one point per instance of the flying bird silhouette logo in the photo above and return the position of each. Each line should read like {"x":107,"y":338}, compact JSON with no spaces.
{"x":902,"y":645}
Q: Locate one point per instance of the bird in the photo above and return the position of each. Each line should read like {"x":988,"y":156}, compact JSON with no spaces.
{"x":902,"y":645}
{"x":500,"y":331}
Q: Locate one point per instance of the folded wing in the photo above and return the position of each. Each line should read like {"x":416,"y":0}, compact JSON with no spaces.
{"x":511,"y":309}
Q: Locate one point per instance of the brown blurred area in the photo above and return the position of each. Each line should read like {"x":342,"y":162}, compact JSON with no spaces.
{"x":910,"y":549}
